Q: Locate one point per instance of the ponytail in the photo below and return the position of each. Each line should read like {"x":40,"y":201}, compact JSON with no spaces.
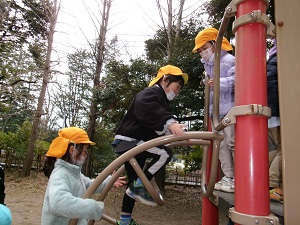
{"x":49,"y":166}
{"x":50,"y":161}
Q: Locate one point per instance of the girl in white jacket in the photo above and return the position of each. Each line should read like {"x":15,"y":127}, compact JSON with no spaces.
{"x":67,"y":184}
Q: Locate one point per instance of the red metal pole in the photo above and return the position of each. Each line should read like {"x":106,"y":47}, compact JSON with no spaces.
{"x":251,"y":146}
{"x":210,"y":212}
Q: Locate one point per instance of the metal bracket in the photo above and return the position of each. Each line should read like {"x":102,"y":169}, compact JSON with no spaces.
{"x":242,"y":110}
{"x":252,"y":17}
{"x":231,"y":9}
{"x":247,"y":219}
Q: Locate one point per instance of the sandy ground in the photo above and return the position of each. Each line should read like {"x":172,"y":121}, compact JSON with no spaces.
{"x":24,"y":197}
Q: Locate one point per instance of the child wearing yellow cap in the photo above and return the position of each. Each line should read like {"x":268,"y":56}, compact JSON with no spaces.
{"x":205,"y":46}
{"x":148,"y":117}
{"x":67,"y":184}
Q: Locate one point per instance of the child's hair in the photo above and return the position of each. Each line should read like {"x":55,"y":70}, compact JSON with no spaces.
{"x":171,"y":78}
{"x":230,"y":52}
{"x":50,"y":161}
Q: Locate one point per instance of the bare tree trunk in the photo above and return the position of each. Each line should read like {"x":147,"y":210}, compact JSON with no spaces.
{"x":94,"y":112}
{"x":169,"y":28}
{"x":4,"y":10}
{"x":37,"y":116}
{"x":179,"y":20}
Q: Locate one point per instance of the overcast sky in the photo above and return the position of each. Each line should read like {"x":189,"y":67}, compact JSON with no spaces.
{"x":133,"y":21}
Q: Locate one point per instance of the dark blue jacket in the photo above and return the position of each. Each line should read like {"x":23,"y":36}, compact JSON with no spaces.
{"x":272,"y":80}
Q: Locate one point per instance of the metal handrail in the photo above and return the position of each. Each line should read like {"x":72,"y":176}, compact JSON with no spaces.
{"x":206,"y":102}
{"x":216,"y":88}
{"x":191,"y":135}
{"x":208,"y":187}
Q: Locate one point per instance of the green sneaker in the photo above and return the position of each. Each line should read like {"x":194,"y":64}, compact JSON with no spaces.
{"x":140,"y":194}
{"x":132,"y":222}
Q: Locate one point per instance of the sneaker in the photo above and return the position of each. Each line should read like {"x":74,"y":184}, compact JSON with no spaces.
{"x":276,"y":195}
{"x":225,"y":184}
{"x":219,"y":183}
{"x":140,"y":194}
{"x":228,"y":186}
{"x":132,"y":222}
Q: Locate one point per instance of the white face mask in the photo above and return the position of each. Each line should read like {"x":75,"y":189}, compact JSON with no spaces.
{"x":77,"y":160}
{"x":171,"y":95}
{"x":206,"y":54}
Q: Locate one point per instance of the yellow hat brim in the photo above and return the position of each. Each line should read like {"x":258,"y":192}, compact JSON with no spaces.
{"x":169,"y":69}
{"x":225,"y":45}
{"x":210,"y":34}
{"x":184,"y":76}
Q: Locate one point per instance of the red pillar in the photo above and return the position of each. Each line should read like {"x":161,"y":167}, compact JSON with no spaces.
{"x":210,"y":213}
{"x":251,"y":145}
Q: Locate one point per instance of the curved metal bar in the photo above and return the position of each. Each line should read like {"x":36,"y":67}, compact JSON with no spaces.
{"x":216,"y":87}
{"x":204,"y":169}
{"x":140,"y":148}
{"x":207,"y":189}
{"x":190,"y":142}
{"x":106,"y":218}
{"x":153,"y":191}
{"x":146,"y":145}
{"x":206,"y":102}
{"x":109,"y":185}
{"x":104,"y":192}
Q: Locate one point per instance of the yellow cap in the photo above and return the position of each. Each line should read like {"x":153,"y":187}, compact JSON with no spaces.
{"x":169,"y":69}
{"x":210,"y":34}
{"x":66,"y":136}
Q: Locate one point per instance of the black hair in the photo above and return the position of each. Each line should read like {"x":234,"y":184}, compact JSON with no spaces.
{"x":50,"y":161}
{"x":172,"y":78}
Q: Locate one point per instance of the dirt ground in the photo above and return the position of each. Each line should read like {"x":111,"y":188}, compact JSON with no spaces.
{"x":25,"y":196}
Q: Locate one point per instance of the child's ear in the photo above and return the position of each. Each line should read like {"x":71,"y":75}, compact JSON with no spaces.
{"x":71,"y":149}
{"x":165,"y":80}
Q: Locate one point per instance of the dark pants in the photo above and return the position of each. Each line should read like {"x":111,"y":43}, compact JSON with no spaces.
{"x":230,"y":222}
{"x":2,"y":187}
{"x":160,"y":156}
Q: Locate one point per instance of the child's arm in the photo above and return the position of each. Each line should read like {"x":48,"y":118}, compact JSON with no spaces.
{"x":177,"y":129}
{"x":120,"y":181}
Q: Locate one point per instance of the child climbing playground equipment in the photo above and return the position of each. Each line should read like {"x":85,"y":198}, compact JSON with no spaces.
{"x":249,"y":116}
